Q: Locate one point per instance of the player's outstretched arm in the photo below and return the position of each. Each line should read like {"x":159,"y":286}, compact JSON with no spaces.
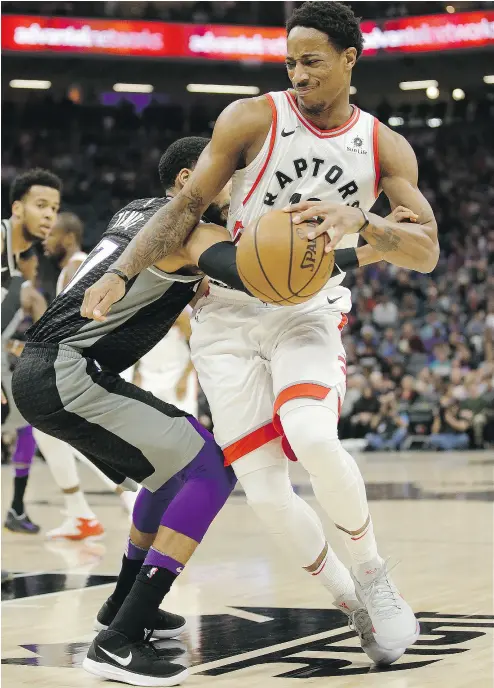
{"x":237,"y":128}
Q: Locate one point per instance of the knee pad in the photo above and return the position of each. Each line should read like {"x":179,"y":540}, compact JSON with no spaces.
{"x":311,"y":428}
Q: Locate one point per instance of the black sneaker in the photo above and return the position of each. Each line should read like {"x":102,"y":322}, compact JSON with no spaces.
{"x":115,"y":657}
{"x":166,"y":625}
{"x":20,"y":524}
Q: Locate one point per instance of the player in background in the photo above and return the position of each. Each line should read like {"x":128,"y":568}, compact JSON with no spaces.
{"x":167,"y":370}
{"x":304,"y":143}
{"x":35,"y":201}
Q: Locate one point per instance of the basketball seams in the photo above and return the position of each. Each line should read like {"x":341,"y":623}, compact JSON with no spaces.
{"x":283,"y":298}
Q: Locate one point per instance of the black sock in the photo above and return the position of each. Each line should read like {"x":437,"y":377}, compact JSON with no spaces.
{"x":125,"y":581}
{"x":142,"y":603}
{"x":20,"y":485}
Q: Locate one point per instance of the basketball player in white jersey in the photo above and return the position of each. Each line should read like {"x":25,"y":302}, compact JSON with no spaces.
{"x":64,"y":244}
{"x":276,"y":375}
{"x":167,"y":370}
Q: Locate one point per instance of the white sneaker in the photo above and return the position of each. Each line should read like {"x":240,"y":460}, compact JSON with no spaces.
{"x":77,"y":529}
{"x":359,"y":621}
{"x":393,"y":622}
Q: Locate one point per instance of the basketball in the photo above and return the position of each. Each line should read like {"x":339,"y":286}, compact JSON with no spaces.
{"x":277,"y":265}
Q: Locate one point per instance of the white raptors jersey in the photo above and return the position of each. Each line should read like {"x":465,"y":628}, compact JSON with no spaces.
{"x":299,"y":162}
{"x":80,"y":257}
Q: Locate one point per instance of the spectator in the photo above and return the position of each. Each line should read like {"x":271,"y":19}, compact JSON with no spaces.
{"x":449,"y":430}
{"x":364,"y":410}
{"x":441,"y":364}
{"x":388,"y":425}
{"x":476,"y":408}
{"x":385,"y":313}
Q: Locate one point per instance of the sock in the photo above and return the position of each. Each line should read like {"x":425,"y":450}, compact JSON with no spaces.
{"x":20,"y":484}
{"x":21,"y":460}
{"x":132,"y":562}
{"x":361,"y":544}
{"x":142,"y":603}
{"x":77,"y":506}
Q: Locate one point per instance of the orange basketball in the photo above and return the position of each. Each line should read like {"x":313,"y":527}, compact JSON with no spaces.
{"x":279,"y":266}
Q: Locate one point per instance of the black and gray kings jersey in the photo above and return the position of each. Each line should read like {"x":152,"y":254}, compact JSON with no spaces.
{"x":152,"y":302}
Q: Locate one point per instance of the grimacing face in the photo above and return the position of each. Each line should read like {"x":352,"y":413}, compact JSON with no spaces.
{"x":37,"y":211}
{"x":318,"y":71}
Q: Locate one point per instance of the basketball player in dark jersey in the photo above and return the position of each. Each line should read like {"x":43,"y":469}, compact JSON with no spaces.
{"x":129,"y":434}
{"x":35,"y":200}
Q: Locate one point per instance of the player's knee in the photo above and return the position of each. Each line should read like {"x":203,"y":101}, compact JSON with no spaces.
{"x":312,"y":432}
{"x":267,"y":490}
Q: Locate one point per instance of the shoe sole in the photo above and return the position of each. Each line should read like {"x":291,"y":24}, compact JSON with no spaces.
{"x":114,"y":673}
{"x":74,"y":538}
{"x":161,"y":634}
{"x":390,"y":644}
{"x":22,"y":531}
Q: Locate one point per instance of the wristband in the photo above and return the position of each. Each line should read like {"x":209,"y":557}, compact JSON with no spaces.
{"x":366,"y":221}
{"x":119,"y":273}
{"x":345,"y":259}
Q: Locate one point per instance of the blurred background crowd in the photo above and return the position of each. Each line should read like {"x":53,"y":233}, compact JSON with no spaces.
{"x":420,"y":347}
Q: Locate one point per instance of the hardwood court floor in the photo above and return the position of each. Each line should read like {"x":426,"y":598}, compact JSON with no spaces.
{"x":255,"y":620}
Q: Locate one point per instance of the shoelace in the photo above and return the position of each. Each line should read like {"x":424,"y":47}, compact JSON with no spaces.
{"x":380,"y":594}
{"x":146,"y":646}
{"x":359,"y":621}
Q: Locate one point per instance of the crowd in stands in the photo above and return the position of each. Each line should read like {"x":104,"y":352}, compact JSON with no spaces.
{"x":420,"y":347}
{"x":260,"y":13}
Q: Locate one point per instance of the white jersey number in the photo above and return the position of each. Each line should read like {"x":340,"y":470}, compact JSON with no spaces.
{"x":104,"y":249}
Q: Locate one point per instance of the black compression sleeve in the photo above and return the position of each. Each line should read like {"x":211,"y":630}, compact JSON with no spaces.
{"x":345,"y":259}
{"x":219,"y":262}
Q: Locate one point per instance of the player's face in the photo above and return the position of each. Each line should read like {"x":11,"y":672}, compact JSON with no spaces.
{"x":319,"y":73}
{"x":37,"y":211}
{"x":222,"y":201}
{"x":54,"y":244}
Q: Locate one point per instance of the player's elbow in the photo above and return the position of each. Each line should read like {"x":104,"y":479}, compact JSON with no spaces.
{"x":430,"y":253}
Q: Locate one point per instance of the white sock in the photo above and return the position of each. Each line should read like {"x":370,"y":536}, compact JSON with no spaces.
{"x":77,"y":506}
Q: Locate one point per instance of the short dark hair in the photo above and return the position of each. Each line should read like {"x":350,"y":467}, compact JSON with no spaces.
{"x":71,"y":224}
{"x":183,"y":153}
{"x":334,"y":19}
{"x":35,"y":177}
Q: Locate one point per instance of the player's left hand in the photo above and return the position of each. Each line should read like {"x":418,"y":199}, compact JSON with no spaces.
{"x":101,"y":296}
{"x":338,"y":220}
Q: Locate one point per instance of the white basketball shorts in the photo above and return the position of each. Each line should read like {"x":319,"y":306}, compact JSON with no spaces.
{"x":252,"y":357}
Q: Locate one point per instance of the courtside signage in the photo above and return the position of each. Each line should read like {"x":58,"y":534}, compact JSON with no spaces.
{"x":237,"y":43}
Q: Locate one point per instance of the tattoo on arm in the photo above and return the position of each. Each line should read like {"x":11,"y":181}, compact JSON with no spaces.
{"x":163,"y":234}
{"x":385,"y":240}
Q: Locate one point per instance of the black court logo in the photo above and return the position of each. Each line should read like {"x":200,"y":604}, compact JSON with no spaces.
{"x":315,"y":643}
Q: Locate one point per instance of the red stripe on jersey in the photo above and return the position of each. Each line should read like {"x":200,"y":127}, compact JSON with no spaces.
{"x":323,"y":133}
{"x":274,"y":125}
{"x":375,"y":148}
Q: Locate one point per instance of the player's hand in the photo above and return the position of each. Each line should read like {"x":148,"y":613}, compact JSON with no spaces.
{"x":337,"y":220}
{"x":400,"y":213}
{"x":101,"y":296}
{"x":4,"y":398}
